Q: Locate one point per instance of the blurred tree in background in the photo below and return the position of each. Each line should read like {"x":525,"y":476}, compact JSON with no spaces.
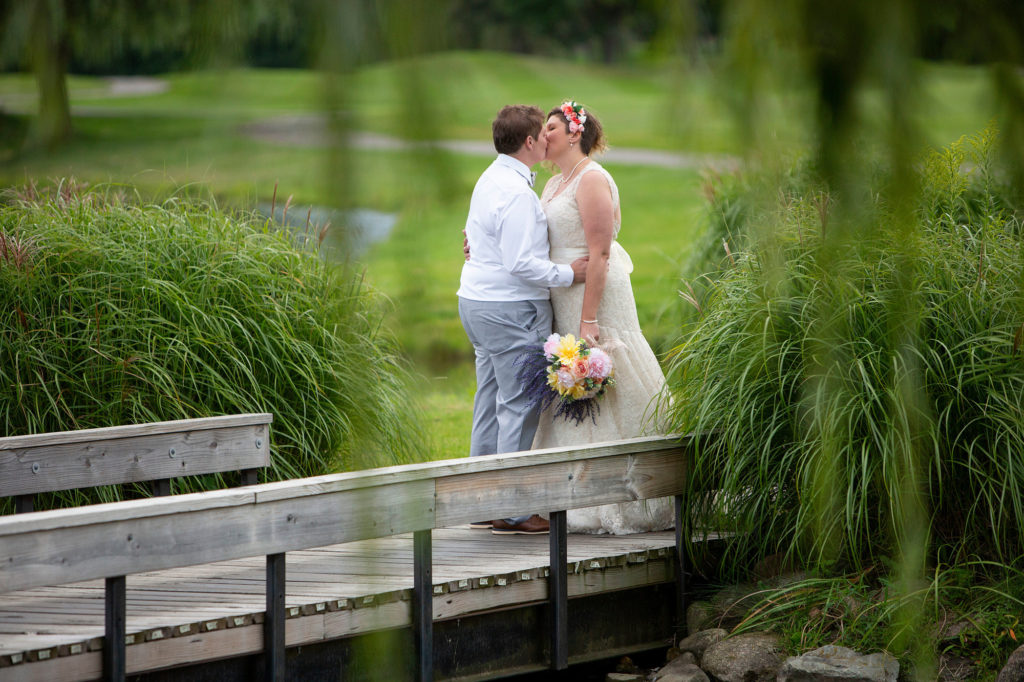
{"x":52,"y":37}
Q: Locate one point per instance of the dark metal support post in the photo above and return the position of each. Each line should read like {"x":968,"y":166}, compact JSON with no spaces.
{"x":24,"y":503}
{"x":274,"y":622}
{"x":249,"y":476}
{"x":423,"y":604}
{"x":161,"y":487}
{"x":114,"y":630}
{"x":682,"y":563}
{"x":558,"y":591}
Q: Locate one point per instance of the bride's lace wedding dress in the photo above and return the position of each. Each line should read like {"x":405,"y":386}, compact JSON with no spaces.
{"x":625,"y":408}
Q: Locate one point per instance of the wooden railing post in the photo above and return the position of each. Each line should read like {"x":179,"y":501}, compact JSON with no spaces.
{"x":423,"y":604}
{"x":115,"y":616}
{"x":274,"y":621}
{"x":24,"y":503}
{"x":682,"y":562}
{"x":558,"y":591}
{"x":249,"y":476}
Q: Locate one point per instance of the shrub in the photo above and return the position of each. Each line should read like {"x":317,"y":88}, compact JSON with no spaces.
{"x":866,"y":386}
{"x":112,"y":312}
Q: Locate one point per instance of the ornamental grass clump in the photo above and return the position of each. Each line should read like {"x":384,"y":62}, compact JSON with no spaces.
{"x":113,"y":312}
{"x":866,"y":389}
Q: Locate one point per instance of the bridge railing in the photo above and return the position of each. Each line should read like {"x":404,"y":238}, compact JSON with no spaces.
{"x":113,"y":540}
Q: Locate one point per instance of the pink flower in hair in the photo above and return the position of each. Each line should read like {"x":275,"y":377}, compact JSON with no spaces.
{"x":575,"y":115}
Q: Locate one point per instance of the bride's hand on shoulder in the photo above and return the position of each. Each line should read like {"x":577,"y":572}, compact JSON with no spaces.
{"x":590,"y":332}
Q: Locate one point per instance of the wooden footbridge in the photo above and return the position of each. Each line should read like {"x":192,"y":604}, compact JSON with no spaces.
{"x":363,"y":575}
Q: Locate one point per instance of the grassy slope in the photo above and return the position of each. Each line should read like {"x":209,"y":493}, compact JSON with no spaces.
{"x":189,"y":135}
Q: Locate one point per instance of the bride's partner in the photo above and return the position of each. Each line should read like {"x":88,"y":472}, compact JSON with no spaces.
{"x":504,"y":302}
{"x":583,"y":219}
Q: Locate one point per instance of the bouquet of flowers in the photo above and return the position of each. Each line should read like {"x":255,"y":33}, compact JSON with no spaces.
{"x":570,"y":370}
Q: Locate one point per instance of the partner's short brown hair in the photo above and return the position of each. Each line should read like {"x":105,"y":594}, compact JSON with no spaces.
{"x":513,"y":125}
{"x":592,"y":139}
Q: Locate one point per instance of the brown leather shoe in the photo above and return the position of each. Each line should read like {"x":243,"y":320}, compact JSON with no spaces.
{"x":535,"y":525}
{"x":481,"y":525}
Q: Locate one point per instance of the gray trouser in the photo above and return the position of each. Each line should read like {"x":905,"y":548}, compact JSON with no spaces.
{"x":500,"y":332}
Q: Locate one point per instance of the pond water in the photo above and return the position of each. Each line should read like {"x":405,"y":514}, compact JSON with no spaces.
{"x":349,"y":233}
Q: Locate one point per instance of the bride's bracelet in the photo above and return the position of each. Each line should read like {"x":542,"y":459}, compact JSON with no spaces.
{"x":594,"y":321}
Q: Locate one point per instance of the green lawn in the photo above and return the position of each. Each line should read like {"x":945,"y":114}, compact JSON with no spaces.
{"x":189,"y":137}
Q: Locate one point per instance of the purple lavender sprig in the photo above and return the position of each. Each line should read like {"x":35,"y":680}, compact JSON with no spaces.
{"x":532,"y":375}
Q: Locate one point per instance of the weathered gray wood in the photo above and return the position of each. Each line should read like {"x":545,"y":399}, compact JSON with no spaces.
{"x":60,"y":546}
{"x":76,"y":517}
{"x":181,"y":536}
{"x":560,"y":485}
{"x":130,"y":430}
{"x":310,"y":625}
{"x":319,"y":485}
{"x":471,"y":465}
{"x":130,"y":454}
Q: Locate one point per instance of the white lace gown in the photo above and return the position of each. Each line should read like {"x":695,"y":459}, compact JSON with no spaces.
{"x":626,"y":407}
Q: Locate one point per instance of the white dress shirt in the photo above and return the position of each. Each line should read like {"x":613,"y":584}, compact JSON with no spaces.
{"x":508,"y":239}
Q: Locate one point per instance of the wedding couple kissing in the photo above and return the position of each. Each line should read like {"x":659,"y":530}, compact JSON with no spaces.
{"x":538,"y":265}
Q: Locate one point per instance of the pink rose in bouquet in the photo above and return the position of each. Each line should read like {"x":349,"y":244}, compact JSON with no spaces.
{"x":567,"y":371}
{"x":565,"y":379}
{"x":600,"y":364}
{"x":551,"y":346}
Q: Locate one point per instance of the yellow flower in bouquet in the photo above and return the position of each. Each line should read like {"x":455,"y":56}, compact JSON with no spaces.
{"x":567,"y":349}
{"x":568,"y":371}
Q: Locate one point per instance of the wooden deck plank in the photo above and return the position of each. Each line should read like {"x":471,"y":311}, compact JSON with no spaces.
{"x":331,"y":592}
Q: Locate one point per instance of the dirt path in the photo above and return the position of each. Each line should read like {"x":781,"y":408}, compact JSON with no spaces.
{"x":310,"y":130}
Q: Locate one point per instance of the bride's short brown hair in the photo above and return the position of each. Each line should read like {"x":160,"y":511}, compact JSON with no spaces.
{"x":514,"y":124}
{"x":593,"y":138}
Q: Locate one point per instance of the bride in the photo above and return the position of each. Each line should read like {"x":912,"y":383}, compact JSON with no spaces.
{"x":582,"y":208}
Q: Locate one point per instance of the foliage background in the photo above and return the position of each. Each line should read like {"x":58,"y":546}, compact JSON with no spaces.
{"x":875,"y":304}
{"x":116,"y":312}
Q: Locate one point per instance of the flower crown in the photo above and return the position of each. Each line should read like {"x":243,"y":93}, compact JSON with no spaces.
{"x":575,"y":115}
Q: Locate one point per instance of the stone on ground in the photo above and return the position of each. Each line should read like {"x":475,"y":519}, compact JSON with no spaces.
{"x":624,"y":677}
{"x":753,"y":657}
{"x":678,"y":670}
{"x":956,"y":669}
{"x":1013,"y":671}
{"x":698,"y":642}
{"x":699,"y":616}
{"x":840,"y":664}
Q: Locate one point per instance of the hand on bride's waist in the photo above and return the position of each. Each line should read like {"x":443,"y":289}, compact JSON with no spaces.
{"x":618,"y":257}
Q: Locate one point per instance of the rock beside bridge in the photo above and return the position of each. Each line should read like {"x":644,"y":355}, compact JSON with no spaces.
{"x":751,"y":657}
{"x":679,"y":670}
{"x":698,"y":642}
{"x":839,"y":664}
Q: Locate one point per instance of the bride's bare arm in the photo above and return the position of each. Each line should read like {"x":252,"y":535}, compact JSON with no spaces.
{"x":594,"y":199}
